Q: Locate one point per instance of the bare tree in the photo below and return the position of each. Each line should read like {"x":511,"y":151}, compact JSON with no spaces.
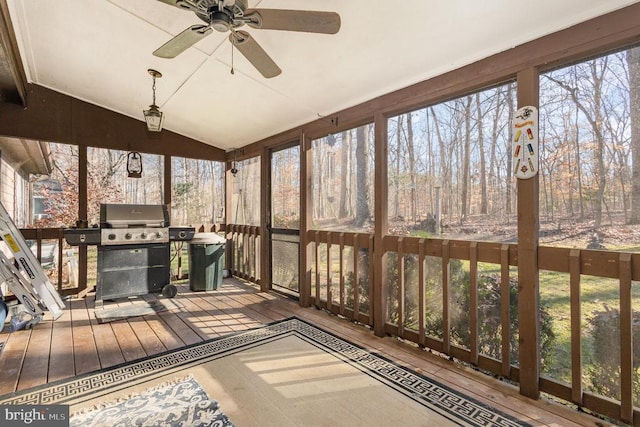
{"x":633,"y":60}
{"x":362,"y":176}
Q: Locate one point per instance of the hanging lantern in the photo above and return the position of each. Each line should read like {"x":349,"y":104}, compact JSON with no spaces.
{"x":153,"y":116}
{"x":134,"y":165}
{"x":234,"y":165}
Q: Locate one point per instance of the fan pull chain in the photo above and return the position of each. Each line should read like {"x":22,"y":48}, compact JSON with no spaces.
{"x":232,"y":48}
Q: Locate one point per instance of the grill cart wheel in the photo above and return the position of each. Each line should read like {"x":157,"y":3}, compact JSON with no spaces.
{"x":169,"y":291}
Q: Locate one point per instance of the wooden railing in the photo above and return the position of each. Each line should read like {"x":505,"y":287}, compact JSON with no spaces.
{"x":345,"y":291}
{"x":243,"y":251}
{"x":332,"y":289}
{"x":62,"y":272}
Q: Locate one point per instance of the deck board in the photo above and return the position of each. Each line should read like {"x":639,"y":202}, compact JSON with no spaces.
{"x":127,"y":341}
{"x":11,"y":361}
{"x":148,"y":339}
{"x":85,"y":352}
{"x":105,"y":339}
{"x":35,"y":366}
{"x":61,"y":361}
{"x":77,"y":343}
{"x":179,"y":328}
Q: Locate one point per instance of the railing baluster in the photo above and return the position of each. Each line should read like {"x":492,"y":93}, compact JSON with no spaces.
{"x":317,"y":235}
{"x":473,"y":303}
{"x":356,"y":282}
{"x":421,"y":294}
{"x":576,"y":326}
{"x":505,"y":309}
{"x":446,"y":342}
{"x":329,"y":271}
{"x":341,"y":240}
{"x":626,"y":340}
{"x":401,"y":287}
{"x":370,"y":278}
{"x":60,"y":255}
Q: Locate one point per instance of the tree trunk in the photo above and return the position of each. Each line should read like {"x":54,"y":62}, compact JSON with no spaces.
{"x":362,"y":173}
{"x":483,"y":162}
{"x":466,"y":154}
{"x":633,"y":59}
{"x":396,"y":180}
{"x":343,"y":212}
{"x":509,"y":172}
{"x":412,"y":167}
{"x":599,"y":151}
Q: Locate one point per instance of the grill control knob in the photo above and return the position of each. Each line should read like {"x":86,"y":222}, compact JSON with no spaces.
{"x":127,"y":236}
{"x":158,"y":234}
{"x":111,"y":236}
{"x":143,"y":235}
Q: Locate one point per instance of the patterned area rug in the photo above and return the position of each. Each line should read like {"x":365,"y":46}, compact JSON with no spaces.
{"x":254,"y":353}
{"x":182,"y":403}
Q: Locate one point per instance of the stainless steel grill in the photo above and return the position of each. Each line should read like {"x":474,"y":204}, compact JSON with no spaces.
{"x":129,"y":224}
{"x":133,"y":249}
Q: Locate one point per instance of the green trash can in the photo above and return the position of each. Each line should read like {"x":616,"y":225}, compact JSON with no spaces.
{"x":206,"y":252}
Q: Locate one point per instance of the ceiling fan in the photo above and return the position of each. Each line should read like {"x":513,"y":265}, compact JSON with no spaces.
{"x":229,"y":15}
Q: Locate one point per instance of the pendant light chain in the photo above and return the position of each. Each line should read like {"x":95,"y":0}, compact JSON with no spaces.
{"x":154,"y":89}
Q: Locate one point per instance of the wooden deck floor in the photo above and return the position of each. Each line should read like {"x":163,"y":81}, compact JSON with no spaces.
{"x":76,"y":344}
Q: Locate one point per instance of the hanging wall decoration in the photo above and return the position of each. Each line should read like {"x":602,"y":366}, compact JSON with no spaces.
{"x":134,"y":165}
{"x":525,"y":142}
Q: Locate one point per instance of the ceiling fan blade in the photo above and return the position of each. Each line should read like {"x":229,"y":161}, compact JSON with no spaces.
{"x":254,"y":53}
{"x":294,"y":20}
{"x":183,"y":41}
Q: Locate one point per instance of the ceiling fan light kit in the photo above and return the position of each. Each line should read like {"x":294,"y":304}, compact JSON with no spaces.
{"x":229,"y":15}
{"x":153,"y":116}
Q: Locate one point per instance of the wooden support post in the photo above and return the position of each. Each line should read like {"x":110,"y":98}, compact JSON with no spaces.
{"x":528,"y":286}
{"x":306,"y":181}
{"x":83,"y":220}
{"x":379,"y":257}
{"x":229,"y":248}
{"x":264,"y":273}
{"x":167,"y":193}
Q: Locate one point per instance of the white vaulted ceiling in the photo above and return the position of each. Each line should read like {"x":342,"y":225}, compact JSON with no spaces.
{"x":99,"y":51}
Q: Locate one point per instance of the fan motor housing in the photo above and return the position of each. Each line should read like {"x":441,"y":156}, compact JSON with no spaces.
{"x":221,"y":20}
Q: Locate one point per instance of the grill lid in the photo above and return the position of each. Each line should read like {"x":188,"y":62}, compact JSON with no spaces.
{"x":129,"y":215}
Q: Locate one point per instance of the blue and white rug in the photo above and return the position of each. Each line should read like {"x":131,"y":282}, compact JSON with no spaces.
{"x":179,"y":403}
{"x":456,"y":407}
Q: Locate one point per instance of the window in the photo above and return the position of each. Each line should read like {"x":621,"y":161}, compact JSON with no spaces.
{"x":245,"y":197}
{"x":449,"y":168}
{"x":590,"y":142}
{"x":108,"y":182}
{"x":198,"y":192}
{"x":343,"y":180}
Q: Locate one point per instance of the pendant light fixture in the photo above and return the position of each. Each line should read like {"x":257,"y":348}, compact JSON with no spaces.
{"x":134,"y":165}
{"x":153,"y":116}
{"x":234,"y":165}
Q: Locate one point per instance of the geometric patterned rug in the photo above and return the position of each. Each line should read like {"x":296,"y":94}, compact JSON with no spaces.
{"x":449,"y":404}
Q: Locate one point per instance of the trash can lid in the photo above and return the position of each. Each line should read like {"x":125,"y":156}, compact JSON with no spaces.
{"x":207,"y":238}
